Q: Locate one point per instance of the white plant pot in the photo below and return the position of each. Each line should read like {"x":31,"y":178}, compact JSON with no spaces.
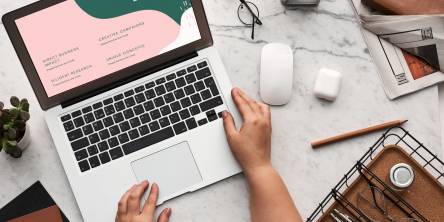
{"x":25,"y":140}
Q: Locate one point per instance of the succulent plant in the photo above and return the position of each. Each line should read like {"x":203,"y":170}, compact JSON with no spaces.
{"x":13,"y":125}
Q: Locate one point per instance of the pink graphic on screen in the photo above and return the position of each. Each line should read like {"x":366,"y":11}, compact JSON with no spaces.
{"x":69,"y":47}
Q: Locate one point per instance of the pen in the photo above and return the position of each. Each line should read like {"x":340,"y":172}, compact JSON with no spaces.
{"x":255,"y":18}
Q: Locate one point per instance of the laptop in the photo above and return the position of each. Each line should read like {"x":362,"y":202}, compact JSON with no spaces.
{"x":132,"y":91}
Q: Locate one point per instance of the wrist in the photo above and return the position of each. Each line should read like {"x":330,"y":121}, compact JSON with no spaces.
{"x":258,"y":172}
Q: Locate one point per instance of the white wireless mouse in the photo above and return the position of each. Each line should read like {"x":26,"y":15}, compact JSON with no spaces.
{"x":276,"y":77}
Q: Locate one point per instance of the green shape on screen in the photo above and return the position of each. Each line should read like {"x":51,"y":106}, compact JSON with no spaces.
{"x":105,"y":9}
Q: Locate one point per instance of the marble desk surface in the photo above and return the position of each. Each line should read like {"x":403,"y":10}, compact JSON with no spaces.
{"x":327,"y":36}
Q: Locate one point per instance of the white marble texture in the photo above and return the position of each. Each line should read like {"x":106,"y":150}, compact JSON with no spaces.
{"x":327,"y":36}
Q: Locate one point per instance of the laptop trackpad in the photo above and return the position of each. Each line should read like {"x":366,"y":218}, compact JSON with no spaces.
{"x":173,"y":169}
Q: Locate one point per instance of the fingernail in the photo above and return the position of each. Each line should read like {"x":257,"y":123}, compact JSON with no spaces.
{"x":224,"y":114}
{"x":169,"y":212}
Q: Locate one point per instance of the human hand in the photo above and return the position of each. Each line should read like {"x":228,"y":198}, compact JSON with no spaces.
{"x":129,"y":205}
{"x":251,"y":145}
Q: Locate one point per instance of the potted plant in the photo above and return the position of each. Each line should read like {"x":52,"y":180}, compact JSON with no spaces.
{"x":14,"y":134}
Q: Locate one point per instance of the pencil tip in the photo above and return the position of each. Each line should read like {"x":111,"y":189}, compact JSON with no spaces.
{"x":404,"y":121}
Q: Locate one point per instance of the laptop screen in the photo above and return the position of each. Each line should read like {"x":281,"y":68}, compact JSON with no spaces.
{"x":78,"y":41}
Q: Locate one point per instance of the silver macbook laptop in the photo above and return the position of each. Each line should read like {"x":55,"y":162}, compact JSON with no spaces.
{"x":133,"y":91}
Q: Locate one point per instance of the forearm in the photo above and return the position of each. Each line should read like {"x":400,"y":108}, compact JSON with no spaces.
{"x":270,"y":200}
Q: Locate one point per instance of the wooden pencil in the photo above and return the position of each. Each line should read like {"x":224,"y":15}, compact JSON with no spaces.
{"x":356,"y":133}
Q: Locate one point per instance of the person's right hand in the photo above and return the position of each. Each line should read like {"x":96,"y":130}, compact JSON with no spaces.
{"x":251,"y":145}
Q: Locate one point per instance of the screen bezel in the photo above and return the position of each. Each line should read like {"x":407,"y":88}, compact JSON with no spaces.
{"x":33,"y":77}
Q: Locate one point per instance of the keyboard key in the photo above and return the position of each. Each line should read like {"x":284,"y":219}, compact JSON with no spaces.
{"x":89,"y":118}
{"x":135,"y":122}
{"x":210,"y":104}
{"x":160,"y":90}
{"x":154,"y":126}
{"x":212,"y":85}
{"x":145,"y":118}
{"x":114,"y":130}
{"x":149,"y":94}
{"x":202,"y":64}
{"x":202,"y":122}
{"x":194,"y":110}
{"x":76,"y":114}
{"x":181,"y":72}
{"x":185,"y":102}
{"x":192,"y":68}
{"x":94,"y":138}
{"x":155,"y":114}
{"x":179,"y":94}
{"x":99,"y":114}
{"x":65,"y":118}
{"x":189,"y":90}
{"x":123,"y":138}
{"x":78,"y":122}
{"x":107,"y":101}
{"x":159,"y":102}
{"x":84,"y":165}
{"x":180,"y":82}
{"x":97,"y":105}
{"x":130,"y":102}
{"x":143,"y":130}
{"x":118,"y":117}
{"x":190,"y":78}
{"x":94,"y":161}
{"x":108,"y":121}
{"x":87,"y":109}
{"x":148,"y":140}
{"x":191,"y":123}
{"x":164,"y":122}
{"x":124,"y":126}
{"x":116,"y":153}
{"x":138,"y":109}
{"x":171,"y":76}
{"x":211,"y":115}
{"x":219,"y":115}
{"x":203,"y":73}
{"x":75,"y":134}
{"x":98,"y":125}
{"x":199,"y":86}
{"x":92,"y":150}
{"x":81,"y":154}
{"x":119,"y":106}
{"x":109,"y":110}
{"x":104,"y":134}
{"x":165,"y":110}
{"x":118,"y":97}
{"x":104,"y":157}
{"x":170,"y":86}
{"x":79,"y":144}
{"x":174,"y":118}
{"x":179,"y":128}
{"x":129,"y":93}
{"x":148,"y":106}
{"x":128,"y":113}
{"x":205,"y":94}
{"x":160,"y":81}
{"x":195,"y":98}
{"x":140,"y":98}
{"x":68,"y":126}
{"x":184,"y":114}
{"x":169,"y":97}
{"x":133,"y":134}
{"x":103,"y":146}
{"x":88,"y":129}
{"x":139,"y":89}
{"x":113,"y":142}
{"x":175,"y":106}
{"x":150,"y":85}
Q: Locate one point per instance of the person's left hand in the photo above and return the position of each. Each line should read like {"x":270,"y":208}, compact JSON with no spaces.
{"x":129,"y":205}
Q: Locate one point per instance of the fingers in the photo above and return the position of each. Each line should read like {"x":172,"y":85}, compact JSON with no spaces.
{"x":265,"y":110}
{"x":150,"y":204}
{"x":229,"y":126}
{"x":251,"y":102}
{"x":134,"y":198}
{"x":242,"y":104}
{"x":123,"y":203}
{"x":165,"y":215}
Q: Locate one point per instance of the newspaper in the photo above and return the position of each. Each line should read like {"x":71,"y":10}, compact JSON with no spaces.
{"x":408,"y":50}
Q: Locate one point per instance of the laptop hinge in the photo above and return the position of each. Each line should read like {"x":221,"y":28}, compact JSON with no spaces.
{"x":129,"y":79}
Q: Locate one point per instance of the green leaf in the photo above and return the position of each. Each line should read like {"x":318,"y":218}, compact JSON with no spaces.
{"x":12,"y":133}
{"x":24,"y":116}
{"x":15,"y":101}
{"x":1,"y":105}
{"x":12,"y":143}
{"x":25,"y":106}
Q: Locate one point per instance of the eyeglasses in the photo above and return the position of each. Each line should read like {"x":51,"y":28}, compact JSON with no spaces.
{"x":372,"y":203}
{"x":248,"y":14}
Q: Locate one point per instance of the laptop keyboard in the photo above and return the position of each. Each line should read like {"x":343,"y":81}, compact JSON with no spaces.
{"x":142,"y":116}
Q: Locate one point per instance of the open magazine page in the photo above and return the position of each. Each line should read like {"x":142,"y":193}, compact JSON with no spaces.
{"x":405,"y":49}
